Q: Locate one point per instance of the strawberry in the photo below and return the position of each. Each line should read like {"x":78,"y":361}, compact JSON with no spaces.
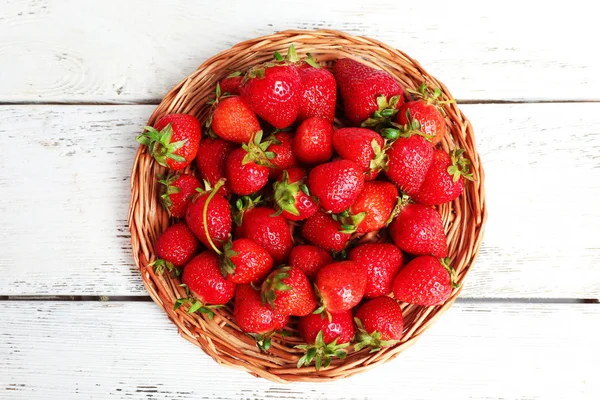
{"x":363,"y":146}
{"x":425,"y":281}
{"x":211,"y":158}
{"x":336,"y":184}
{"x":372,"y":209}
{"x":175,"y":247}
{"x":444,"y":179}
{"x":231,"y":119}
{"x":408,"y":162}
{"x":341,"y":286}
{"x":231,"y":83}
{"x":366,"y":90}
{"x":244,"y":261}
{"x":292,"y":196}
{"x":313,"y":142}
{"x":214,"y":209}
{"x":380,"y":324}
{"x":309,"y":259}
{"x":419,"y":230}
{"x":247,"y":169}
{"x":325,"y":337}
{"x":317,"y":94}
{"x":382,"y":262}
{"x":323,"y":231}
{"x":203,"y":278}
{"x":270,"y":231}
{"x":289,"y":292}
{"x":281,"y":146}
{"x":173,"y":141}
{"x":178,"y":193}
{"x":256,"y":318}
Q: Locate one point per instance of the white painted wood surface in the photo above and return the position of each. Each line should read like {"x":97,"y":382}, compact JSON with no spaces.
{"x":130,"y":350}
{"x":136,"y":50}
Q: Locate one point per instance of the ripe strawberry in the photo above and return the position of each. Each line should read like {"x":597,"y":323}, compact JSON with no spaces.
{"x":382,"y":262}
{"x":256,"y":318}
{"x":372,"y":209}
{"x":309,"y":259}
{"x":281,"y":146}
{"x":318,"y":93}
{"x":425,"y":281}
{"x":231,"y":83}
{"x":289,"y":292}
{"x":273,"y":91}
{"x":211,"y":158}
{"x":233,"y":120}
{"x":203,"y":278}
{"x":408,"y":162}
{"x":363,"y":146}
{"x":215,"y":209}
{"x":173,"y":141}
{"x":444,"y":179}
{"x":323,"y":231}
{"x":178,"y":193}
{"x":380,"y":324}
{"x":269,"y":231}
{"x":244,"y":261}
{"x":336,"y":184}
{"x":245,"y":177}
{"x":174,"y":247}
{"x":292,"y":197}
{"x":366,"y":90}
{"x":313,"y":142}
{"x":341,"y":285}
{"x":419,"y":230}
{"x":325,"y":337}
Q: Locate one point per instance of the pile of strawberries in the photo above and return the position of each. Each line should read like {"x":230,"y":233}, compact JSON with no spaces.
{"x":288,"y":216}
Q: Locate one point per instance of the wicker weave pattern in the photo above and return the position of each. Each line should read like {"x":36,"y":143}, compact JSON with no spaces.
{"x":220,"y":338}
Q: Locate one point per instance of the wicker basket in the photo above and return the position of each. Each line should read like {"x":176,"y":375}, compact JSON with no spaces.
{"x":220,"y":338}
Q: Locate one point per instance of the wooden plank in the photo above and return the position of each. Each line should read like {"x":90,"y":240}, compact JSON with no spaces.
{"x":71,"y":237}
{"x":115,"y":51}
{"x":60,"y":350}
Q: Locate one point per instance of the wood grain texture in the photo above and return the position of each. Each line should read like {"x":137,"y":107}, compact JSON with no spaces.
{"x":130,"y":350}
{"x":135,"y":51}
{"x":66,"y":191}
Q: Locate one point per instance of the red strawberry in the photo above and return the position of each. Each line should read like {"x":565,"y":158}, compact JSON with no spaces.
{"x":231,"y":83}
{"x":444,"y":179}
{"x":363,"y":146}
{"x":366,"y":90}
{"x":380,"y":324}
{"x":382,"y":262}
{"x":175,"y":247}
{"x":256,"y":318}
{"x":408,"y":162}
{"x":313,"y":142}
{"x":273,"y":91}
{"x":425,"y":281}
{"x":244,"y":261}
{"x":173,"y":141}
{"x":245,"y":177}
{"x":178,"y":193}
{"x":419,"y":230}
{"x":211,"y":158}
{"x":289,"y":292}
{"x":233,"y":120}
{"x":326,"y":337}
{"x":281,"y":146}
{"x":215,"y":209}
{"x":341,"y":285}
{"x":270,"y":232}
{"x":309,"y":259}
{"x":372,"y":209}
{"x":291,"y":195}
{"x":336,"y":184}
{"x":203,"y":278}
{"x":323,"y":231}
{"x":318,"y":93}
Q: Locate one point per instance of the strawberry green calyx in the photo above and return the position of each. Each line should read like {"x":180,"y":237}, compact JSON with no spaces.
{"x":321,"y":353}
{"x":257,"y":151}
{"x":460,"y":166}
{"x":205,"y":214}
{"x":160,"y":146}
{"x":243,"y":204}
{"x":227,"y":266}
{"x":285,"y":194}
{"x":386,"y":110}
{"x":159,"y":266}
{"x":413,"y":127}
{"x":263,"y":340}
{"x":349,"y":221}
{"x":373,"y":340}
{"x":379,"y":162}
{"x":196,"y":305}
{"x":446,"y":264}
{"x":274,"y":282}
{"x":311,"y":61}
{"x":402,"y":201}
{"x":321,"y":310}
{"x":165,"y":198}
{"x":430,"y":96}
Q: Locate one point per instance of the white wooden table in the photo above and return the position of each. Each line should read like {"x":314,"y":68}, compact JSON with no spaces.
{"x":77,"y":83}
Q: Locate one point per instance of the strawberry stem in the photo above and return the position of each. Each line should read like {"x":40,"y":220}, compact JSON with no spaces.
{"x":205,"y":214}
